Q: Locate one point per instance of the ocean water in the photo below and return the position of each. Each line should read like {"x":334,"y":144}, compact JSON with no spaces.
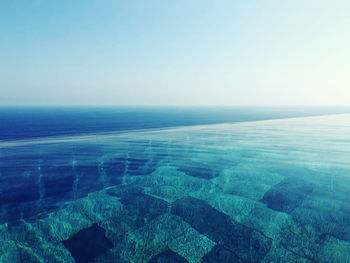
{"x":38,"y":122}
{"x":275,"y":190}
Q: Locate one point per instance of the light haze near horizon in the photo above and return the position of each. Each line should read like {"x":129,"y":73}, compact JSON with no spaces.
{"x":183,"y":52}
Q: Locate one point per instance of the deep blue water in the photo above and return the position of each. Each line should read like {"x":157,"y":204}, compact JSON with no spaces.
{"x":35,"y":122}
{"x":106,"y":185}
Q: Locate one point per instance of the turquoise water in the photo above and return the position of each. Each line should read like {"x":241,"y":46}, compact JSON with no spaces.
{"x":264,"y":191}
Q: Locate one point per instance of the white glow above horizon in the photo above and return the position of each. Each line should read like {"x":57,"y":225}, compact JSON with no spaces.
{"x":175,"y":53}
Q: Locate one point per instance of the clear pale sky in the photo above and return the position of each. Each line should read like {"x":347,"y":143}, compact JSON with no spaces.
{"x":183,"y":52}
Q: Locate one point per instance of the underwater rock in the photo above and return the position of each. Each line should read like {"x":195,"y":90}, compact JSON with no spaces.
{"x":197,"y":169}
{"x":61,"y":225}
{"x":143,"y":243}
{"x":237,"y":207}
{"x":170,"y":184}
{"x":32,"y":245}
{"x":98,"y":206}
{"x":27,"y":255}
{"x":167,"y":256}
{"x":9,"y":251}
{"x":323,"y":222}
{"x":222,"y":255}
{"x":120,"y":225}
{"x":164,"y":232}
{"x":256,"y":181}
{"x":144,"y":205}
{"x":278,"y":253}
{"x":88,"y":244}
{"x":288,"y":194}
{"x":111,"y":256}
{"x":325,"y":215}
{"x":168,"y":177}
{"x":334,"y":251}
{"x":300,"y":240}
{"x":166,"y":192}
{"x":24,"y":233}
{"x":124,"y":190}
{"x":46,"y":252}
{"x":249,"y":244}
{"x":266,"y":220}
{"x":191,"y":245}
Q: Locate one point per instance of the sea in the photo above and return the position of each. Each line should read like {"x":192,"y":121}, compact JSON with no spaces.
{"x":174,"y":184}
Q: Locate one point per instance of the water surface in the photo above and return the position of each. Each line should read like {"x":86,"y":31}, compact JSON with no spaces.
{"x":259,"y":191}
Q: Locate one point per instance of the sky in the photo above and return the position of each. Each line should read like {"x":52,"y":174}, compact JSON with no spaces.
{"x":183,"y":52}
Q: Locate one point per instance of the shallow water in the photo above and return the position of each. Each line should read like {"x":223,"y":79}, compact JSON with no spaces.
{"x":265,"y":191}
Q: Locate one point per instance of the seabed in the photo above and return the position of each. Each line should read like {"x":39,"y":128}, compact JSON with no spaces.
{"x":266,"y":191}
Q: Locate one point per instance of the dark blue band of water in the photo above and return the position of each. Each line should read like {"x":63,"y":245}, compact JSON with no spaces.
{"x":36,"y":122}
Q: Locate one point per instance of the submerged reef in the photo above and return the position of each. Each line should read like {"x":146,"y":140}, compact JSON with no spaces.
{"x":253,"y":192}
